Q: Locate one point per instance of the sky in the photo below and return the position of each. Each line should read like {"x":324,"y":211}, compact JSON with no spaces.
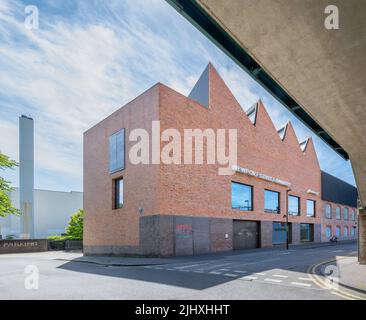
{"x":89,"y":58}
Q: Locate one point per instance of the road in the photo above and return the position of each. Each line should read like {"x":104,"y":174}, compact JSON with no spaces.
{"x":251,"y":274}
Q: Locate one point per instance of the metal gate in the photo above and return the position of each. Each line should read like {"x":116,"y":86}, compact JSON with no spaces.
{"x":246,"y":234}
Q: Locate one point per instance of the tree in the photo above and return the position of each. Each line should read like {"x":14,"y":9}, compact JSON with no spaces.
{"x":76,"y":225}
{"x":6,"y":207}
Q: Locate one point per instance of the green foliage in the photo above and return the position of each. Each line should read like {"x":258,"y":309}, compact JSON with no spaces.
{"x":5,"y":203}
{"x":59,"y":238}
{"x":76,"y":225}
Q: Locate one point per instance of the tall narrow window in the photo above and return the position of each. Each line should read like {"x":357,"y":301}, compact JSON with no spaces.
{"x":338,"y":213}
{"x":353,"y":231}
{"x":310,"y":208}
{"x":346,"y":231}
{"x":328,"y":232}
{"x":293,"y":205}
{"x":306,"y":232}
{"x":345,"y":213}
{"x":271,"y":201}
{"x":353,"y":215}
{"x":117,"y":151}
{"x":338,"y":231}
{"x":241,"y":196}
{"x":118,"y":193}
{"x":328,"y":211}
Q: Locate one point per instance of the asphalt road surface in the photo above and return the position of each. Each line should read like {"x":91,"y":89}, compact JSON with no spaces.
{"x":251,"y":274}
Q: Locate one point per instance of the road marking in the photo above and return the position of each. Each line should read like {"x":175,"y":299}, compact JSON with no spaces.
{"x":273,"y":280}
{"x":249,"y":278}
{"x":301,"y":284}
{"x":230,"y":275}
{"x":280,"y":276}
{"x":224,"y":269}
{"x":325,"y":285}
{"x":215,"y":272}
{"x":340,"y":250}
{"x":305,"y":279}
{"x":240,"y":271}
{"x":259,"y":273}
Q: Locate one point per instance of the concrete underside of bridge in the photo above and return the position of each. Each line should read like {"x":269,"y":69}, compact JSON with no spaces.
{"x":323,"y":70}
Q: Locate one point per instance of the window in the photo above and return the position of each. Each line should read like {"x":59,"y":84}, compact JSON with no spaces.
{"x":279,"y":233}
{"x":328,"y":232}
{"x":306,"y":232}
{"x":345,"y":213}
{"x":241,"y":196}
{"x":353,"y":231}
{"x":118,"y":193}
{"x":328,"y":211}
{"x":117,"y":151}
{"x":271,"y":201}
{"x":310,"y":208}
{"x":353,"y":215}
{"x":346,"y":231}
{"x":338,"y":231}
{"x":294,"y":205}
{"x":338,"y":213}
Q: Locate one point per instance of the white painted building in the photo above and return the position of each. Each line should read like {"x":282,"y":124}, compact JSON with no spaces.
{"x":52,"y":212}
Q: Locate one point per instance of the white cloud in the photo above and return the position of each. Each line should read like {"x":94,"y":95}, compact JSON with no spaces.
{"x":78,"y":68}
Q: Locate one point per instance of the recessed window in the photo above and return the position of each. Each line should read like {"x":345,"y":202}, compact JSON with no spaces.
{"x":241,"y":196}
{"x":353,"y":215}
{"x":293,"y":205}
{"x":306,"y":232}
{"x":338,"y":231}
{"x":353,"y":231}
{"x":117,"y":151}
{"x":271,"y":201}
{"x":345,"y":214}
{"x":328,"y":232}
{"x":328,"y":211}
{"x":310,"y":208}
{"x":338,"y":213}
{"x":118,"y":193}
{"x":346,"y":231}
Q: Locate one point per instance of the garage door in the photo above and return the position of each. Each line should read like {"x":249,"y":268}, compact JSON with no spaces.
{"x":246,"y":234}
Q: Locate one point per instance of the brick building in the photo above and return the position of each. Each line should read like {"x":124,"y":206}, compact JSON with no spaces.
{"x":340,"y":217}
{"x":155,"y":208}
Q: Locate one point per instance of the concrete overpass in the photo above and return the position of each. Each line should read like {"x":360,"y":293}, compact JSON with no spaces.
{"x":319,"y":74}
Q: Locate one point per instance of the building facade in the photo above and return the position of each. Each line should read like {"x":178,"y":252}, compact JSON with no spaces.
{"x":150,"y":207}
{"x":52,"y":212}
{"x":340,"y":215}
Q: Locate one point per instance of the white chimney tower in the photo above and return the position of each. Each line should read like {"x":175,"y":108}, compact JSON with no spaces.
{"x":26,"y":176}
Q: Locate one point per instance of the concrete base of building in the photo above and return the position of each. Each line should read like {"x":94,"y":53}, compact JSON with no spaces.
{"x":362,"y":236}
{"x":173,"y":235}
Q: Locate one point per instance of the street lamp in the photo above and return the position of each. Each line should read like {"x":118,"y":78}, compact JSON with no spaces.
{"x":286,"y":215}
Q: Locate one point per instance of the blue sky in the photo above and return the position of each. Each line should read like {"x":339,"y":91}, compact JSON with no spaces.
{"x":88,"y":58}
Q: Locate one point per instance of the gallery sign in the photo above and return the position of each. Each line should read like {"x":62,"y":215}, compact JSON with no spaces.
{"x":260,"y":175}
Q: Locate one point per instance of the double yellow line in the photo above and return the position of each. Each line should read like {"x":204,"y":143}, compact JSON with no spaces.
{"x":326,"y":285}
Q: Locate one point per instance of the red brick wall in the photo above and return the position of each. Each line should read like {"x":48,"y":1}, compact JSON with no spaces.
{"x":105,"y":226}
{"x":198,"y":190}
{"x":190,"y":190}
{"x":334,"y":222}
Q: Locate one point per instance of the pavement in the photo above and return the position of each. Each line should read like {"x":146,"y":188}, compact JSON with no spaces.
{"x":345,"y":274}
{"x":251,"y":274}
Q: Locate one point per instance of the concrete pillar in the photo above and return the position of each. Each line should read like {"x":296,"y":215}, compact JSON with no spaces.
{"x":362,"y":236}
